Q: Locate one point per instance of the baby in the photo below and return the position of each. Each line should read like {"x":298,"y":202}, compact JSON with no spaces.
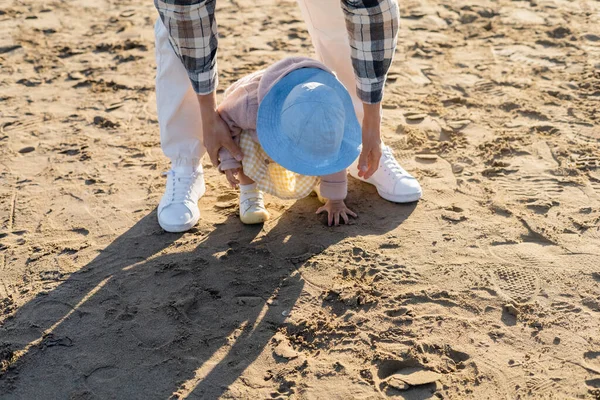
{"x":297,"y":129}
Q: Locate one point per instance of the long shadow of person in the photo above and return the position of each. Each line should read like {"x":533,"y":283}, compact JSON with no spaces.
{"x":32,"y":330}
{"x":296,"y":238}
{"x":154,"y":316}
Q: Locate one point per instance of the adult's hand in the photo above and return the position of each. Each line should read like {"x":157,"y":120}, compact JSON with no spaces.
{"x":215,"y":131}
{"x":368,"y":162}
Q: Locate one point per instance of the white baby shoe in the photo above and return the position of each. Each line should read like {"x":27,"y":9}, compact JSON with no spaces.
{"x":393,"y":183}
{"x":252,"y":205}
{"x":178,"y":209}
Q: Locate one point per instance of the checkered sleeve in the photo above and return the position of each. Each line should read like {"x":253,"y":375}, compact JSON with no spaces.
{"x":193,"y":34}
{"x":372,"y":29}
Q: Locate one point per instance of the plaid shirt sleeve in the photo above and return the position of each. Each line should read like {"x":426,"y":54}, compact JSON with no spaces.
{"x":372,"y":29}
{"x":193,"y":34}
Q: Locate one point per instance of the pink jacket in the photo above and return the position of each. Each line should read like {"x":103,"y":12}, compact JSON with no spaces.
{"x":239,"y":109}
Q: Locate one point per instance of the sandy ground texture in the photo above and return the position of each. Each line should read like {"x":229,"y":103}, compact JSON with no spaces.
{"x":488,"y":288}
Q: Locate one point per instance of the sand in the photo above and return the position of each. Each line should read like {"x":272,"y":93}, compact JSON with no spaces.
{"x":487,"y":288}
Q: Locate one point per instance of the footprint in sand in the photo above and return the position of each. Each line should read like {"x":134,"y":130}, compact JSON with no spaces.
{"x":525,"y":55}
{"x":530,"y":186}
{"x":101,"y":379}
{"x":23,"y":125}
{"x":563,"y":307}
{"x":518,"y":284}
{"x":200,"y":311}
{"x":587,"y":134}
{"x":100,"y":375}
{"x":488,"y":87}
{"x":595,"y":181}
{"x":424,"y":230}
{"x":401,"y":274}
{"x":540,"y":387}
{"x":154,"y":331}
{"x":47,"y":313}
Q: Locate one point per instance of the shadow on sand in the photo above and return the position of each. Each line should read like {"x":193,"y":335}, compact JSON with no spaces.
{"x":154,"y":316}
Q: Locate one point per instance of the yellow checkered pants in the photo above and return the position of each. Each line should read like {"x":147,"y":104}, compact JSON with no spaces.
{"x":271,"y":177}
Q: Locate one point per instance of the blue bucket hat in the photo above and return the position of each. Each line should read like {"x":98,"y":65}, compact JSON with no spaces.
{"x":307,"y":124}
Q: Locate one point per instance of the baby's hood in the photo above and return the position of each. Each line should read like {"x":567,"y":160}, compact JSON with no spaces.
{"x":275,"y":72}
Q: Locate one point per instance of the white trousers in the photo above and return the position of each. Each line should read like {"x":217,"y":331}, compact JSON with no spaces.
{"x":178,"y":111}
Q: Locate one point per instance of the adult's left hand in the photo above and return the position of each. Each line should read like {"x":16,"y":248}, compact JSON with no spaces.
{"x":368,"y":162}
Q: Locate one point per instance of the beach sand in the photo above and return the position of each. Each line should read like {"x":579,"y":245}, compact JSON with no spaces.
{"x":487,"y":288}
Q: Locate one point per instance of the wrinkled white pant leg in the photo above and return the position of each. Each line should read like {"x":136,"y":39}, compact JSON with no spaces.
{"x":327,"y":27}
{"x":177,"y":105}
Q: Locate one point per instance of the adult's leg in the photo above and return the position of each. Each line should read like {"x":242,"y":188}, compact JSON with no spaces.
{"x":180,"y":137}
{"x":327,"y":27}
{"x":178,"y":111}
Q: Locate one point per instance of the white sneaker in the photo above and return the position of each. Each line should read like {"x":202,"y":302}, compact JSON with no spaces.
{"x":393,"y":183}
{"x":178,"y":209}
{"x":252,"y":205}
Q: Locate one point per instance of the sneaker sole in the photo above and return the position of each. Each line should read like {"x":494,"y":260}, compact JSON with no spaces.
{"x":255,"y":219}
{"x":405,"y":198}
{"x":179,"y":228}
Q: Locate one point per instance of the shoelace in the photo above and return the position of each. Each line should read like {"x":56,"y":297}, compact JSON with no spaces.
{"x":181,"y":186}
{"x":256,"y":200}
{"x":389,"y":161}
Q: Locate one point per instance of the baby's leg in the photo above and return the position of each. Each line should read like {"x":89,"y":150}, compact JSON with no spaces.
{"x":244,"y":179}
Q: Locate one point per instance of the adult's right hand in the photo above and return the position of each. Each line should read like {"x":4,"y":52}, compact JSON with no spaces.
{"x":215,"y":131}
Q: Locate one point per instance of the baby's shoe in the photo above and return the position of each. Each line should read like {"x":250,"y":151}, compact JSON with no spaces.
{"x":252,"y":205}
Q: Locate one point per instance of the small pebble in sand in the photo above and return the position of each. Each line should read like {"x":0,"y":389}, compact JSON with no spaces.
{"x":458,"y":125}
{"x":397,"y":383}
{"x":405,"y":378}
{"x":284,"y":350}
{"x":105,"y":123}
{"x":27,"y":149}
{"x":75,"y":76}
{"x":512,"y":310}
{"x":457,"y":168}
{"x":414,"y":116}
{"x":590,"y":37}
{"x":559,"y":33}
{"x":468,"y":17}
{"x":427,"y":157}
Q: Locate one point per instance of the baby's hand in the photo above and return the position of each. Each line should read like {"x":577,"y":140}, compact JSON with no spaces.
{"x":335,"y":209}
{"x":231,"y":175}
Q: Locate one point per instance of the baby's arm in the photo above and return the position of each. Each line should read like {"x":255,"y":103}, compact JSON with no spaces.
{"x":334,"y":189}
{"x":229,"y":166}
{"x":238,"y":109}
{"x":227,"y":161}
{"x":235,"y":112}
